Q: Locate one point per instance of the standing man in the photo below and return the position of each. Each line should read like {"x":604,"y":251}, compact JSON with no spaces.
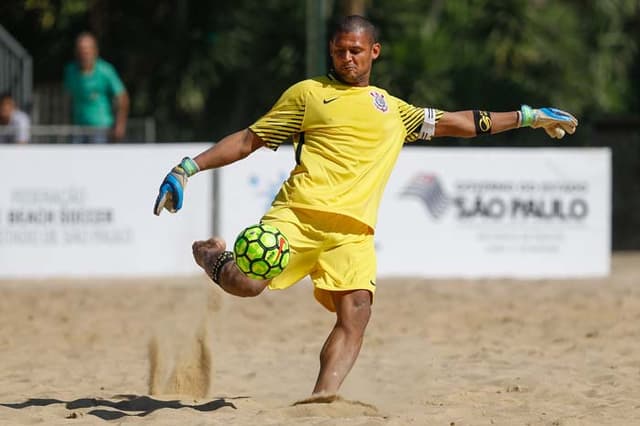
{"x":347,"y":138}
{"x":15,"y":126}
{"x":96,"y":90}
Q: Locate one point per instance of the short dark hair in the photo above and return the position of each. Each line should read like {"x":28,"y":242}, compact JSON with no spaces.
{"x":353,"y":24}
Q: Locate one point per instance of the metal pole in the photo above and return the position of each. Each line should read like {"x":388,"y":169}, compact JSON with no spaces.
{"x":316,"y":38}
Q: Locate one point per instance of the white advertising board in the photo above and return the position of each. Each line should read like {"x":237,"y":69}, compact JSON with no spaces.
{"x":451,"y":212}
{"x":523,"y":213}
{"x":87,"y":211}
{"x":247,"y":188}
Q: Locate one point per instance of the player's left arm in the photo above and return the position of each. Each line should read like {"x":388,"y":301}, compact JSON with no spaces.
{"x":471,"y":123}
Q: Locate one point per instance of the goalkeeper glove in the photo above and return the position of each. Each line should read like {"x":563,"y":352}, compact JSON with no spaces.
{"x":172,"y":188}
{"x":554,"y":121}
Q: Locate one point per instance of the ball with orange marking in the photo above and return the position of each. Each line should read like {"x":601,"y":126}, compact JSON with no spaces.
{"x":261,"y":251}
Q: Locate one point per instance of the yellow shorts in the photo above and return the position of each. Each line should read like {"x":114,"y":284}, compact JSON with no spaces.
{"x":336,"y":251}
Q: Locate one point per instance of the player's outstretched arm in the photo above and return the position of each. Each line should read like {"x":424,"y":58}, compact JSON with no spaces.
{"x":231,"y":148}
{"x":171,"y":193}
{"x":554,"y":121}
{"x":467,"y":124}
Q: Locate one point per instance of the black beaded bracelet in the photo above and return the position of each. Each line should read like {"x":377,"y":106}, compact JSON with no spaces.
{"x":222,"y":259}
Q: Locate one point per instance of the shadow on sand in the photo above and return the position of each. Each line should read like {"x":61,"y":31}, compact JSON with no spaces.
{"x":120,"y":405}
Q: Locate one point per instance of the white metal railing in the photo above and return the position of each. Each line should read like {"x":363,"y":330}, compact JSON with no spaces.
{"x":139,"y":130}
{"x":16,"y":70}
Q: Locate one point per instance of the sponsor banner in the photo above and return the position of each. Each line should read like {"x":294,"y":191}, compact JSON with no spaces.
{"x":87,"y":210}
{"x":450,"y":212}
{"x":531,"y":213}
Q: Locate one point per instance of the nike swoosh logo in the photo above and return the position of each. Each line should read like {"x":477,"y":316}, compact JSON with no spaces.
{"x":326,"y":101}
{"x":373,"y":283}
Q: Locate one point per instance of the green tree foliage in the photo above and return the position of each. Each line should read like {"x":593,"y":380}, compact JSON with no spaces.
{"x":204,"y":68}
{"x":495,"y":53}
{"x":201,"y":68}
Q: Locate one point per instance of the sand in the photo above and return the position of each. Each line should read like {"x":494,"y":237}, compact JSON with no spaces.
{"x":180,"y":352}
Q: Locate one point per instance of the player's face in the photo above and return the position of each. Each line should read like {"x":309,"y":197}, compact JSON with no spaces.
{"x":352,"y":55}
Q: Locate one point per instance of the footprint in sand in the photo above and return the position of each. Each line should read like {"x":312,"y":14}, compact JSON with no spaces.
{"x":331,"y":406}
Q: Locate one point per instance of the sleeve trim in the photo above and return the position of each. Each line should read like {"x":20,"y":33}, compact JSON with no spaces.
{"x":428,"y":128}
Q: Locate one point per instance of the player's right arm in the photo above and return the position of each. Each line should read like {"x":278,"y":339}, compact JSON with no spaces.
{"x":282,"y":121}
{"x":229,"y":149}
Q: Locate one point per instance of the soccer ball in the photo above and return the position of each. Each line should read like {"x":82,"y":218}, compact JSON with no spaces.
{"x":261,"y":251}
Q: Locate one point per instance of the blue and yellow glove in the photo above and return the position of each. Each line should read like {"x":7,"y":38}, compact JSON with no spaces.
{"x":554,"y":121}
{"x":172,"y":188}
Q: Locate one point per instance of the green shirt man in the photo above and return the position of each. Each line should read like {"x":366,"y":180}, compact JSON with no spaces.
{"x":92,"y":93}
{"x":93,"y":85}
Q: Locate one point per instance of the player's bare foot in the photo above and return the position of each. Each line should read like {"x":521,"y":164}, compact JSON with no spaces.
{"x":211,"y":256}
{"x":206,"y":252}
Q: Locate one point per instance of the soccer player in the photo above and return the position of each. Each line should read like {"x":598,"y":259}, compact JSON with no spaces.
{"x":347,"y":137}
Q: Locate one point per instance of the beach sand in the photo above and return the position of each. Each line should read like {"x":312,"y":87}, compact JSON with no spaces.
{"x":437,"y":352}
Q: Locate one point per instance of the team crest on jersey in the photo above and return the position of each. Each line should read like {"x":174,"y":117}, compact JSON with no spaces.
{"x":379,"y":101}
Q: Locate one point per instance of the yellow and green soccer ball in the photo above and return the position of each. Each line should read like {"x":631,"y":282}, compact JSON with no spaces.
{"x":261,"y":251}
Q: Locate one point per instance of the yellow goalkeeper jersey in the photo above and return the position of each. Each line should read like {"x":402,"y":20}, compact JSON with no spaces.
{"x":346,"y":140}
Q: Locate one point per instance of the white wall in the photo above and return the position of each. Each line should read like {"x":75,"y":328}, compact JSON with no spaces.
{"x":447,"y":212}
{"x":500,"y":213}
